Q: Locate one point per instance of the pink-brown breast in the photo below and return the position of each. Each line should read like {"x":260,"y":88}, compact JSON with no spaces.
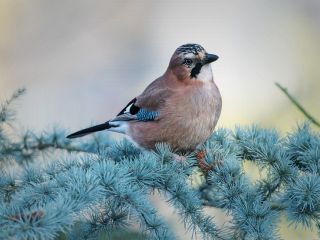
{"x":186,"y":120}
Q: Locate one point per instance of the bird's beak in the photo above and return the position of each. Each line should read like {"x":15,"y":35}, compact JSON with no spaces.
{"x":209,"y":58}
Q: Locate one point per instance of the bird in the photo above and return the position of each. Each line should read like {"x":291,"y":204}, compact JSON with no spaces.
{"x":180,"y":108}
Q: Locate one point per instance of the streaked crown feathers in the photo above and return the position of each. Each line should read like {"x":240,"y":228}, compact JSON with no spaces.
{"x":190,"y":48}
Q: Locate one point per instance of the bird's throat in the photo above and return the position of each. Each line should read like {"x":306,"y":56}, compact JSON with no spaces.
{"x":205,"y":74}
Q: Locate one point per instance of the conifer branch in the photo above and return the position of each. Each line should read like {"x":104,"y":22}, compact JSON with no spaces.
{"x":298,"y":105}
{"x":106,"y":188}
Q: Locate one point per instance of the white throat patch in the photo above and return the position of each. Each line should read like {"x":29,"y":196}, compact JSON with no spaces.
{"x":205,"y":74}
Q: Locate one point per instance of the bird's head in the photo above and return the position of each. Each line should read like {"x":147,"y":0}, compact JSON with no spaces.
{"x":191,"y":61}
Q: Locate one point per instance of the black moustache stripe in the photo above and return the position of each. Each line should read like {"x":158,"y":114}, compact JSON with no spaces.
{"x":196,"y":70}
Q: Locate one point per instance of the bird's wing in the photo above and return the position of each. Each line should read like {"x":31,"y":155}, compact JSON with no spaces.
{"x":133,"y":112}
{"x":145,"y":107}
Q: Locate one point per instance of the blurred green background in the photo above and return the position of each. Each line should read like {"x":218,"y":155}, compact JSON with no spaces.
{"x":82,"y":61}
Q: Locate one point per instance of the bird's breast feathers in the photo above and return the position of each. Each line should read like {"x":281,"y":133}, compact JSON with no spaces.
{"x":195,"y":100}
{"x":186,"y":119}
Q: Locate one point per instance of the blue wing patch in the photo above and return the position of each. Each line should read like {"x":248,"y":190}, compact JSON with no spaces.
{"x":145,"y":115}
{"x":133,"y":112}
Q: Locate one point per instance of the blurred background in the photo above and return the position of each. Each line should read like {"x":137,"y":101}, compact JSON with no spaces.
{"x":82,"y":61}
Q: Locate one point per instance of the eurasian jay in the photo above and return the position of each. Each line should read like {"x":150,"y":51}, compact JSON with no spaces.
{"x":180,"y":108}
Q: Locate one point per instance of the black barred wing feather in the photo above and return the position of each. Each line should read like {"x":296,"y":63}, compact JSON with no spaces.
{"x":133,"y":112}
{"x":146,"y":107}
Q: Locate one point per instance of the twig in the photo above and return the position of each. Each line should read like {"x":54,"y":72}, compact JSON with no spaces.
{"x":297,"y":104}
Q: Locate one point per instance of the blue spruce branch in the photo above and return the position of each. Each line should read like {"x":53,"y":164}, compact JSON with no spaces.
{"x":106,"y":188}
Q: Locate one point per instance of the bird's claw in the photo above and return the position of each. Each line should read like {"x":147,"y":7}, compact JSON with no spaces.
{"x":200,"y":155}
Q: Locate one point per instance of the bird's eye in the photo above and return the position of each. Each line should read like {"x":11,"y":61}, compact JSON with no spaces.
{"x":187,"y":61}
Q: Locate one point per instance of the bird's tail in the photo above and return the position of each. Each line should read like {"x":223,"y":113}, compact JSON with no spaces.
{"x":89,"y":130}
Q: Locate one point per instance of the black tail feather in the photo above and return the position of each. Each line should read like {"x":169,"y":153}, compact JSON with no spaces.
{"x":89,"y":130}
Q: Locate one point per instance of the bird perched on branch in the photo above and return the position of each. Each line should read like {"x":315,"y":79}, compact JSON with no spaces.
{"x":180,"y":108}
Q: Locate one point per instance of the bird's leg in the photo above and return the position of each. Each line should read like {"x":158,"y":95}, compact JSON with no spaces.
{"x":200,"y":155}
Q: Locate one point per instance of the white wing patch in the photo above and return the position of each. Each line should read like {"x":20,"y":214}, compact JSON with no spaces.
{"x":127,"y":110}
{"x":131,"y":113}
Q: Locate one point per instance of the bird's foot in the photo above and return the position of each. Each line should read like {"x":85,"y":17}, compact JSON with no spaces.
{"x":200,"y":155}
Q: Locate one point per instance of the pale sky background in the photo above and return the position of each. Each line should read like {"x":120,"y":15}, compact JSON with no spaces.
{"x":82,"y":61}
